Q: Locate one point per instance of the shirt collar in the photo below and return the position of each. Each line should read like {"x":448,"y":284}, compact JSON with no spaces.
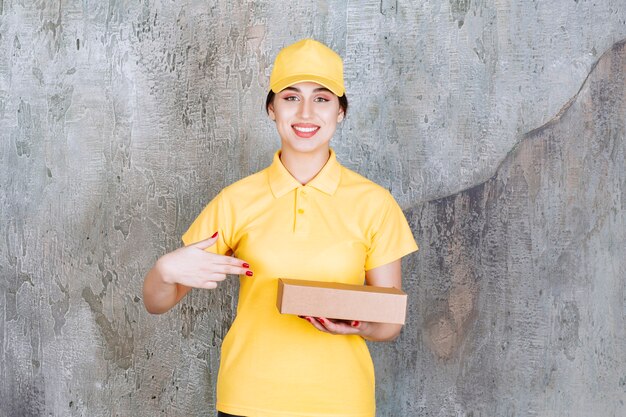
{"x":282,"y":182}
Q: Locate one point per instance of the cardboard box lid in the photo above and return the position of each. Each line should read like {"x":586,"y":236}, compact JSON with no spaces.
{"x":341,"y":301}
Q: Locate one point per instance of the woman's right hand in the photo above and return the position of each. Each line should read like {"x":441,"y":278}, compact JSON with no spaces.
{"x":175,"y":273}
{"x":192,"y":266}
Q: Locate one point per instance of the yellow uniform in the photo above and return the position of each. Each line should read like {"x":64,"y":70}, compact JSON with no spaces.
{"x":334,"y":228}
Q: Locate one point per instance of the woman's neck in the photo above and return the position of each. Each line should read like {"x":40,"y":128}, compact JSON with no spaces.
{"x":304,"y":166}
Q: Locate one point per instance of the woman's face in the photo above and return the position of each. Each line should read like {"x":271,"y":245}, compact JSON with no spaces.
{"x":306,"y":116}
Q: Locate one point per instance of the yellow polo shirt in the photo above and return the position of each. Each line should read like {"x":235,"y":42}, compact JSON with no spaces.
{"x":334,"y":228}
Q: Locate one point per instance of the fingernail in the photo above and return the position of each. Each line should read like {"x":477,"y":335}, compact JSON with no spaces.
{"x":215,"y":234}
{"x":246,"y":265}
{"x":309,"y":319}
{"x":301,"y":317}
{"x":321,"y":320}
{"x":249,"y":273}
{"x":355,"y":323}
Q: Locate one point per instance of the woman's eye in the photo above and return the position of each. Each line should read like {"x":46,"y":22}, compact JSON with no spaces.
{"x":291,"y":98}
{"x":321,"y":99}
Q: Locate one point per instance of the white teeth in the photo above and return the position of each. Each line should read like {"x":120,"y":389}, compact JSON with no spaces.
{"x":305,"y":129}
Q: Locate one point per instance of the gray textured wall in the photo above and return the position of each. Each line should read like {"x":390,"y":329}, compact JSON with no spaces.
{"x":499,"y":126}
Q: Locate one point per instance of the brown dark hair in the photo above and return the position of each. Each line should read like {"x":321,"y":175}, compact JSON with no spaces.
{"x":343,"y":102}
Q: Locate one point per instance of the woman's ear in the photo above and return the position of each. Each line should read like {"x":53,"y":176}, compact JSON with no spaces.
{"x":340,"y":116}
{"x":270,"y":111}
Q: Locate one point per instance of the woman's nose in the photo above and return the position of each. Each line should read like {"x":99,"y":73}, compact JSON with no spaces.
{"x":305,"y":109}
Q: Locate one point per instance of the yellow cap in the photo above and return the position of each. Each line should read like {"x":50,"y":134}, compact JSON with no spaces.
{"x":307,"y":60}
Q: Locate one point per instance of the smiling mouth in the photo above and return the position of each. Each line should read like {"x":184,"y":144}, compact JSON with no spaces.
{"x":305,"y":131}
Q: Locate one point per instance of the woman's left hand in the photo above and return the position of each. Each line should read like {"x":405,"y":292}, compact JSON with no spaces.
{"x":344,"y":327}
{"x":376,"y":332}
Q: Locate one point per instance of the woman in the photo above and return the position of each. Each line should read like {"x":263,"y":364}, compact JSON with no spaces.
{"x":303,"y":217}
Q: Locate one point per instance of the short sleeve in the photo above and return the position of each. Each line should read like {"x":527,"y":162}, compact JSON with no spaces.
{"x":391,"y":236}
{"x":214,"y":218}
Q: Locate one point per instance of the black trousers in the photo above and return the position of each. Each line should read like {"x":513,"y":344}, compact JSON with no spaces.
{"x":220,"y":414}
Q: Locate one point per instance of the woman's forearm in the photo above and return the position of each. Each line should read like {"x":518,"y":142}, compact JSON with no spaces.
{"x":380,"y":332}
{"x":159,"y":296}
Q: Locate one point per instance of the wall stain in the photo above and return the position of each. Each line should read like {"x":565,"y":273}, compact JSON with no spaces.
{"x":119,"y":347}
{"x":389,"y":7}
{"x":455,"y":236}
{"x":442,"y":335}
{"x":189,"y":316}
{"x":54,"y":28}
{"x":459,"y":9}
{"x":38,"y":74}
{"x":567,"y":325}
{"x":24,"y":135}
{"x":10,"y":305}
{"x":61,"y":307}
{"x":59,"y":103}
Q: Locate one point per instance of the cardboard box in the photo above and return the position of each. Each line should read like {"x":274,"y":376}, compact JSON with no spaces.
{"x":341,"y":301}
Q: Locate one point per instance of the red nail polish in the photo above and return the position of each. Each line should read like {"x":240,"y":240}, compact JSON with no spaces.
{"x":249,"y":273}
{"x":215,"y":234}
{"x":355,"y":323}
{"x":321,"y":320}
{"x":246,"y":265}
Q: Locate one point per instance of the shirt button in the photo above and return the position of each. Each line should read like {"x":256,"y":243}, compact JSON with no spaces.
{"x":300,"y":211}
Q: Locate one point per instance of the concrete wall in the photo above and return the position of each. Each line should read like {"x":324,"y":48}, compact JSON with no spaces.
{"x":499,"y":127}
